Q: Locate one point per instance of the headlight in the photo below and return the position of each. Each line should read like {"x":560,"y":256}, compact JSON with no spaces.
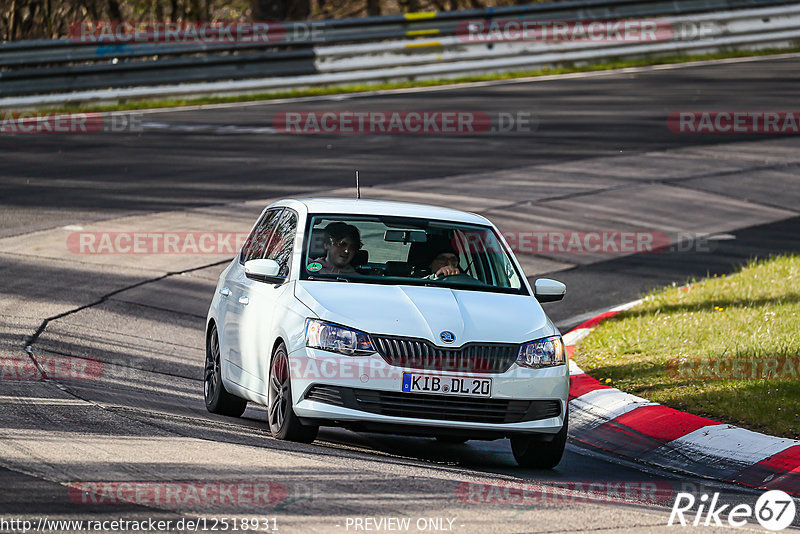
{"x":335,"y":338}
{"x":545,"y":352}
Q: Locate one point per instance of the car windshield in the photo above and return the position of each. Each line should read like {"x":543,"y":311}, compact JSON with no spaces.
{"x":407,"y":251}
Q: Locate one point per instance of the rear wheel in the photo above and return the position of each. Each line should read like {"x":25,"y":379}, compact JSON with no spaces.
{"x":532,"y":452}
{"x":283,"y":423}
{"x":218,"y":400}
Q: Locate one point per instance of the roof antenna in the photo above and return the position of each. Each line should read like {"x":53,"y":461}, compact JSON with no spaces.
{"x":358,"y":187}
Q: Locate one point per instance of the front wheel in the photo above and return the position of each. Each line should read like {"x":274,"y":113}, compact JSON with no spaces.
{"x":537,"y":454}
{"x":218,"y":400}
{"x":283,"y":423}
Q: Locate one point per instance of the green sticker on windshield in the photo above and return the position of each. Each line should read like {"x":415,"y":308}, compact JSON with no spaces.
{"x":314,"y":267}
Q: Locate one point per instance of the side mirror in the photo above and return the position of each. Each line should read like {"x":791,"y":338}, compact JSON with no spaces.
{"x":546,"y":290}
{"x":263,"y":271}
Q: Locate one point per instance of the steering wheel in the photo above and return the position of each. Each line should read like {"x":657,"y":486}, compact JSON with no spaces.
{"x":443,"y":276}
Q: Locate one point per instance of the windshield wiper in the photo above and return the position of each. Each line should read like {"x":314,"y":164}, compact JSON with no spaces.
{"x":327,"y":278}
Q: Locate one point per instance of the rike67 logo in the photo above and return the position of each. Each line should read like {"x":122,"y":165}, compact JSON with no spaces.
{"x":774,"y":510}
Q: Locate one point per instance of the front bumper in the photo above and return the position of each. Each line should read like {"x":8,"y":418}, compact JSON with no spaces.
{"x":371,"y":375}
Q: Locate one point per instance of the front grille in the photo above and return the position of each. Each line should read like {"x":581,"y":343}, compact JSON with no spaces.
{"x":442,"y":407}
{"x":416,"y":353}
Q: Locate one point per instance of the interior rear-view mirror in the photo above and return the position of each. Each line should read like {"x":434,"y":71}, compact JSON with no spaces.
{"x":405,"y":236}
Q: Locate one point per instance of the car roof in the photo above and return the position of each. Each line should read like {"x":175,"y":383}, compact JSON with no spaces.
{"x":352,"y":206}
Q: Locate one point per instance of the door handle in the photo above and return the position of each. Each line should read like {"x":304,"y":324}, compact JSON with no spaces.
{"x":225,"y":292}
{"x":244,"y":300}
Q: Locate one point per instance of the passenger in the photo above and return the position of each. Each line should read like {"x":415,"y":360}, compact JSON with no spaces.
{"x":341,"y":243}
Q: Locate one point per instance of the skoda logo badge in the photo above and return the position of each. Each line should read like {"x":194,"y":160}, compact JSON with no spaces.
{"x":447,"y":336}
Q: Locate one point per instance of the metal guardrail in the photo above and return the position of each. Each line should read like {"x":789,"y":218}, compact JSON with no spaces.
{"x":777,"y":25}
{"x":423,"y":45}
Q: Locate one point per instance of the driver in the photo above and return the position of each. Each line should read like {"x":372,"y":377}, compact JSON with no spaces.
{"x":445,"y":264}
{"x":342,"y":241}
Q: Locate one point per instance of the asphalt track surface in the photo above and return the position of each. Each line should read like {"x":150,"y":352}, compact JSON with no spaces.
{"x":601,"y":157}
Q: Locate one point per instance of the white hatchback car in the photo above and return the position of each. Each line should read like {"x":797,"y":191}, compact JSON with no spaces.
{"x":387,"y":317}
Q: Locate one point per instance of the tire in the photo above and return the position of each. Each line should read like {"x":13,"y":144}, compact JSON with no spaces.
{"x":536,"y":454}
{"x":283,"y":423}
{"x":218,"y":400}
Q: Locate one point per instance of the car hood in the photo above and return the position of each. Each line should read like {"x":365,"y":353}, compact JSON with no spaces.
{"x":424,"y":312}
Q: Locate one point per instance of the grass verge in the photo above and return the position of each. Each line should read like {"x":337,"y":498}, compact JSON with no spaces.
{"x":341,"y":89}
{"x":727,"y":348}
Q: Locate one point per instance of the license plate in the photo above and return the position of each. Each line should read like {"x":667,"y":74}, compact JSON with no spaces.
{"x":447,"y":385}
